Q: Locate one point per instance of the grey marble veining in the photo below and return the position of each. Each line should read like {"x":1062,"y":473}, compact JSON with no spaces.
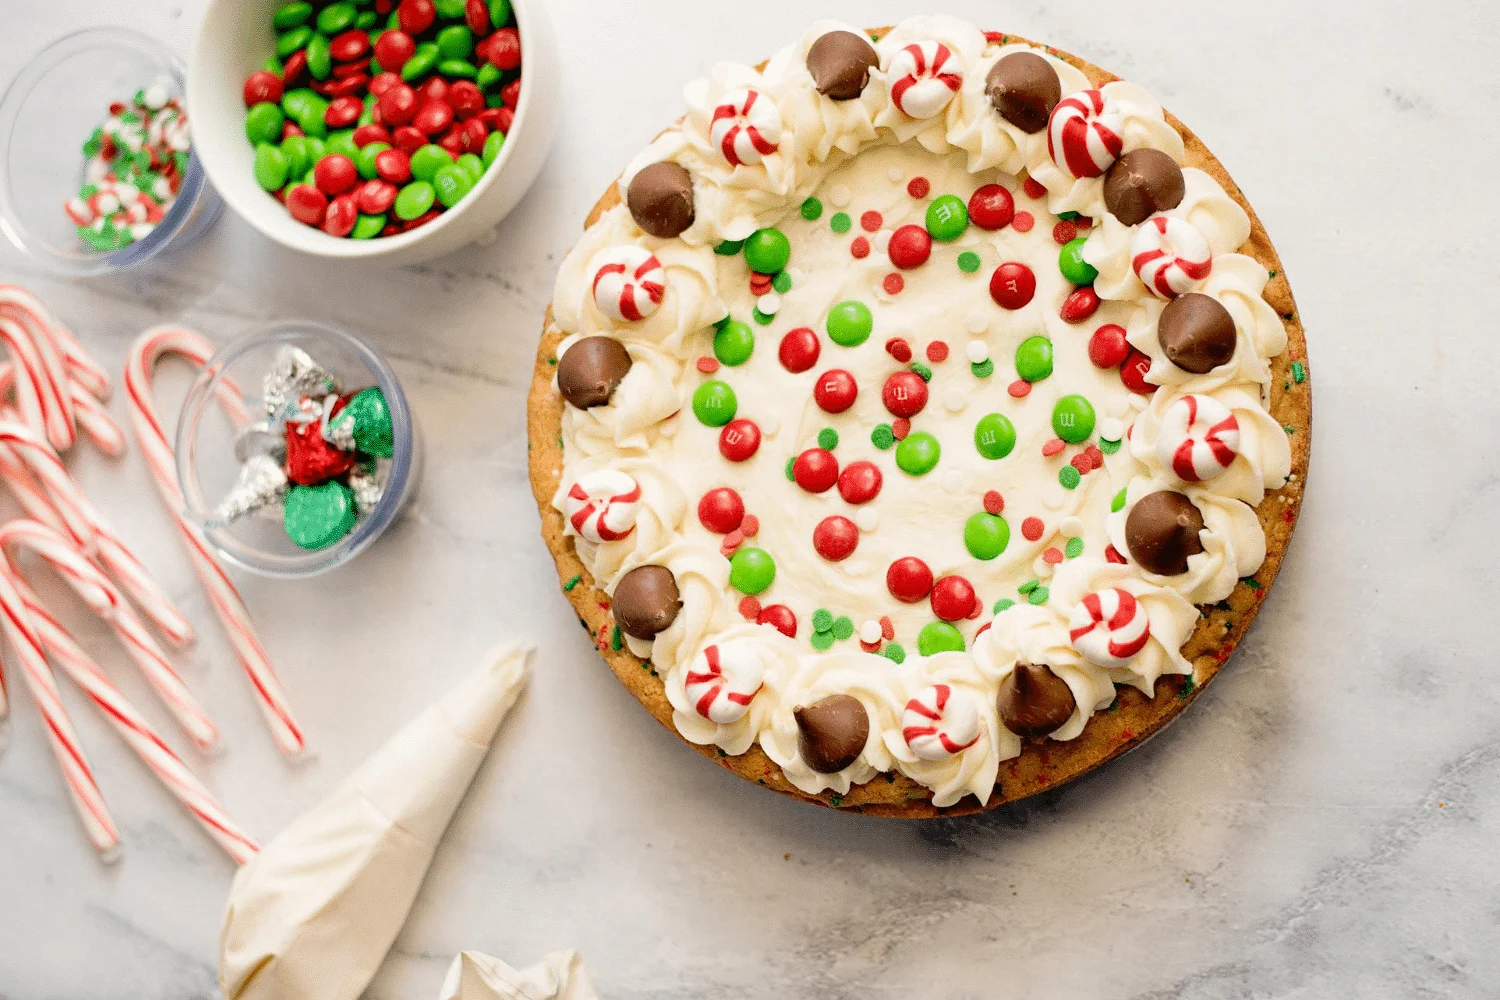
{"x":1321,"y":824}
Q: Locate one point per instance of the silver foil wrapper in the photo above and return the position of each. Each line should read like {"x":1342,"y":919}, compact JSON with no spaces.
{"x":366,"y":488}
{"x":262,"y":484}
{"x":295,"y":376}
{"x":338,"y":431}
{"x":259,"y":438}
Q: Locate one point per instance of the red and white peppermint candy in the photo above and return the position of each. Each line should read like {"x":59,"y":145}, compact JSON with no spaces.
{"x":1084,"y":135}
{"x":602,"y":505}
{"x":629,"y":283}
{"x":924,"y":78}
{"x":1169,"y":255}
{"x":1109,"y":627}
{"x":723,"y":680}
{"x":1199,"y":438}
{"x":746,"y":127}
{"x":940,"y":722}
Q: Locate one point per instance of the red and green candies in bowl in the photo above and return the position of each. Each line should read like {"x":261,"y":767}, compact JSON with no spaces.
{"x":373,"y":117}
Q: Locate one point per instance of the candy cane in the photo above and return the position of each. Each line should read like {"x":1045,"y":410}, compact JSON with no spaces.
{"x":228,"y":605}
{"x":42,"y":462}
{"x":88,"y":413}
{"x":87,"y":799}
{"x":41,"y":382}
{"x":107,"y":602}
{"x":81,"y":367}
{"x":137,"y":732}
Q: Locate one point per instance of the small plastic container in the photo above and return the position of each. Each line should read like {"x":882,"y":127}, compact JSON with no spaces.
{"x":49,"y":109}
{"x":207,"y":467}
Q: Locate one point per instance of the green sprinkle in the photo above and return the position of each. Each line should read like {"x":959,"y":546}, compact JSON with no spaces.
{"x":843,"y":627}
{"x":812,"y":209}
{"x":568,"y":587}
{"x":729,"y":248}
{"x":1289,"y":428}
{"x":1002,"y":604}
{"x":828,"y":439}
{"x":881,"y":437}
{"x":984,"y":369}
{"x":822,"y":620}
{"x":1074,"y":548}
{"x":1029,"y":586}
{"x":615,"y":642}
{"x":894,"y":652}
{"x":1039,"y":596}
{"x":1251,"y":582}
{"x":840,"y":223}
{"x":821,"y":641}
{"x":1109,"y":447}
{"x":1271,"y":274}
{"x":1299,"y":372}
{"x":761,"y":317}
{"x":782,"y":283}
{"x":1187,"y":687}
{"x":968,"y":262}
{"x":1069,"y":477}
{"x":922,"y":370}
{"x":1067,"y":216}
{"x":835,"y":800}
{"x":789,"y":463}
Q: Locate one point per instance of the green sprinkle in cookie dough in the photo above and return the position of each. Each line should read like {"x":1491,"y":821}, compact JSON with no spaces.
{"x":1109,"y":447}
{"x":568,"y":587}
{"x":1002,"y":604}
{"x":835,"y":800}
{"x":968,"y":262}
{"x":1029,"y":586}
{"x":881,"y":437}
{"x":791,"y":476}
{"x":551,"y":361}
{"x":840,"y":223}
{"x":922,"y":370}
{"x":1251,"y":582}
{"x":1069,"y":477}
{"x":1187,"y":687}
{"x":1074,"y":548}
{"x":984,"y":369}
{"x":895,"y":652}
{"x":822,"y":620}
{"x":782,"y":283}
{"x":812,"y":209}
{"x":1299,"y":372}
{"x":729,"y":248}
{"x":828,"y":439}
{"x":761,"y":317}
{"x":821,"y":641}
{"x":1039,"y":596}
{"x":1118,"y":503}
{"x":843,"y":627}
{"x":615,"y":642}
{"x":1067,"y":216}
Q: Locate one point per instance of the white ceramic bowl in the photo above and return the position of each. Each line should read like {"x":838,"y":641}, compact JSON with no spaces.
{"x":234,"y":41}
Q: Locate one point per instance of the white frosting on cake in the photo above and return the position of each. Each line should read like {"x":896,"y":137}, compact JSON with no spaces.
{"x":860,"y":155}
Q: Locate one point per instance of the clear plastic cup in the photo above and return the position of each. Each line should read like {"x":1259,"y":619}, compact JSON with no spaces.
{"x":207,"y":467}
{"x":49,"y":109}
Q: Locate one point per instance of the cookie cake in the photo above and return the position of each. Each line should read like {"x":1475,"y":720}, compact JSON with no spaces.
{"x":921,"y":420}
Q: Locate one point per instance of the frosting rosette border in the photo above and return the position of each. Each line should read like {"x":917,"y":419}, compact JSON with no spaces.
{"x":1269,"y":369}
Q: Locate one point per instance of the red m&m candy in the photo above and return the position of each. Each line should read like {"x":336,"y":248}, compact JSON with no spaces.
{"x":1108,"y":347}
{"x":376,"y":197}
{"x":992,"y":207}
{"x":1012,"y":285}
{"x":335,"y":174}
{"x":799,"y":350}
{"x":816,"y":470}
{"x":908,"y":579}
{"x":739,"y":440}
{"x":835,"y":390}
{"x":1133,"y":373}
{"x":433,"y":116}
{"x":342,"y":214}
{"x":835,"y":538}
{"x":393,"y":165}
{"x":398,"y":105}
{"x":721,"y":510}
{"x":860,"y":482}
{"x":261,"y":87}
{"x":904,"y":394}
{"x":953,"y":598}
{"x":307,"y":204}
{"x":781,"y":618}
{"x":910,"y":247}
{"x":1080,"y":305}
{"x":416,"y":16}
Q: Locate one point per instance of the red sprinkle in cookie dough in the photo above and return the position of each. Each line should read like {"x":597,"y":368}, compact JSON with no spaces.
{"x":1023,"y":222}
{"x":750,"y":609}
{"x":1020,"y":388}
{"x":994,"y":502}
{"x":750,"y":526}
{"x":871,"y":222}
{"x":708,"y":365}
{"x":898,"y":348}
{"x":1034,"y":188}
{"x":937,"y":352}
{"x":1032,"y":528}
{"x":860,"y":248}
{"x":1054,"y":447}
{"x":894,"y":284}
{"x":919,"y":187}
{"x":1064,"y":232}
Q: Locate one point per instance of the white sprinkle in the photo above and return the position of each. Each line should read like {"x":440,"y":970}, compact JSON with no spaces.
{"x":882,"y":241}
{"x":896,"y":174}
{"x":1041,"y":568}
{"x":156,"y":96}
{"x":1052,"y":497}
{"x":769,"y":304}
{"x":869,"y":631}
{"x":839,"y":195}
{"x":1110,"y":429}
{"x":141,"y":230}
{"x":953,"y":480}
{"x":976,"y":322}
{"x":978,"y":352}
{"x":1118,"y":406}
{"x":955,"y":399}
{"x":867,"y":519}
{"x":1070,"y":527}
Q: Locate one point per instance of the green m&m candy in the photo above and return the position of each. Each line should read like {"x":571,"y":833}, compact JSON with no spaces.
{"x":365,"y":160}
{"x":270,"y":167}
{"x":428,"y":160}
{"x":767,"y":251}
{"x":451,"y":183}
{"x":297,"y":149}
{"x":714,"y":403}
{"x":455,"y":42}
{"x":918,"y":453}
{"x":342,"y":143}
{"x":1072,"y":265}
{"x":939,"y":637}
{"x":1034,"y":358}
{"x":947,"y":218}
{"x":367,"y":227}
{"x":492,"y":147}
{"x":733,"y":343}
{"x":337,"y":17}
{"x":471,"y":165}
{"x":414,"y":200}
{"x":751,"y":570}
{"x":421,"y":62}
{"x":292,"y":41}
{"x":263,"y":123}
{"x":489,"y":74}
{"x":319,"y":58}
{"x":729,"y":248}
{"x":291,"y":15}
{"x":458,"y":67}
{"x":317,"y":516}
{"x":986,"y":535}
{"x":450,"y":10}
{"x":994,"y":436}
{"x":499,"y":13}
{"x":850,"y":323}
{"x":1073,"y":419}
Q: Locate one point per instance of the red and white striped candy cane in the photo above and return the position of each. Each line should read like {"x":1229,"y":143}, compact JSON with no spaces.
{"x":89,"y":414}
{"x":107,"y":602}
{"x":65,"y":496}
{"x":137,"y":732}
{"x":41,"y":382}
{"x":81,"y":367}
{"x":87,"y":799}
{"x":228,"y":605}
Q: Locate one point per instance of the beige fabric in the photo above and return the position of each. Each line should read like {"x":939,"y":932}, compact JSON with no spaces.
{"x":559,"y":976}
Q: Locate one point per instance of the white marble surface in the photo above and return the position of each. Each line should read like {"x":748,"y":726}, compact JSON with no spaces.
{"x":1322,"y":824}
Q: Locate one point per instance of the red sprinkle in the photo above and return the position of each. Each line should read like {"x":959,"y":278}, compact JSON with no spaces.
{"x":750,"y":609}
{"x":887,"y":629}
{"x":750,"y":526}
{"x":894,"y":284}
{"x":900,"y":427}
{"x":1052,"y":555}
{"x":1084,"y":222}
{"x":1112,"y":554}
{"x":869,"y":647}
{"x":781,"y":618}
{"x":1020,"y":388}
{"x":871,"y":222}
{"x":1032,"y":528}
{"x":860,"y":248}
{"x":732,"y":541}
{"x":918,"y":187}
{"x":708,"y":365}
{"x":1082,"y":463}
{"x":1034,"y":188}
{"x":1023,"y":222}
{"x":1054,"y":447}
{"x":937,"y":352}
{"x":898,"y":348}
{"x":994,"y":502}
{"x":1064,"y":232}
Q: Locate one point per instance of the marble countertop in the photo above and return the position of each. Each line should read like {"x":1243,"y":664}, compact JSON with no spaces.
{"x":1321,"y":824}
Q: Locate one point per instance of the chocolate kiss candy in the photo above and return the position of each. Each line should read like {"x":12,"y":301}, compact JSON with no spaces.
{"x":371,"y":420}
{"x":831,"y":733}
{"x":661,"y":199}
{"x":1196,"y":333}
{"x":1033,"y":701}
{"x":1162,"y":531}
{"x":646,"y":601}
{"x":840,"y":64}
{"x":1024,"y":88}
{"x":590,"y":371}
{"x":310,"y":458}
{"x":317,"y":516}
{"x":1142,"y":183}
